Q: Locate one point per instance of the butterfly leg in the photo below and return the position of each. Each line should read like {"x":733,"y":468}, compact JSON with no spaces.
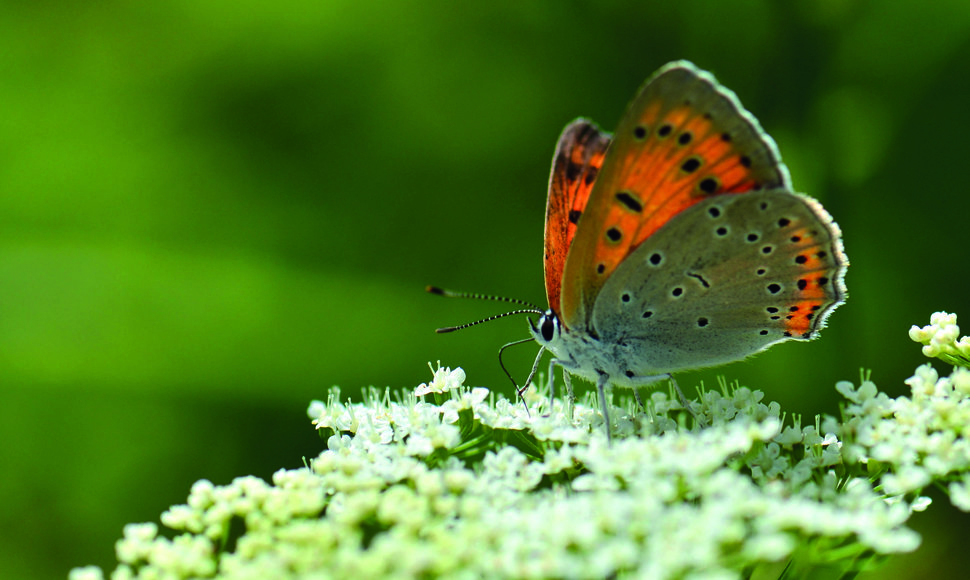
{"x":636,"y":395}
{"x":552,"y":383}
{"x":683,"y":401}
{"x":570,"y":395}
{"x":601,"y":384}
{"x":521,"y":390}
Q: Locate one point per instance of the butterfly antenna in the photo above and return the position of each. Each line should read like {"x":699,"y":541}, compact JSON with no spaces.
{"x":532,"y":308}
{"x":477,"y":296}
{"x":489,"y":319}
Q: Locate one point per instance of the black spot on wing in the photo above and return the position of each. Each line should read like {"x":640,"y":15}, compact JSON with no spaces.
{"x":629,"y":201}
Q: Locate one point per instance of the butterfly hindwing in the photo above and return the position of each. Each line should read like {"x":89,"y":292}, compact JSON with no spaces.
{"x":734,"y":276}
{"x":579,"y":156}
{"x":684,"y":139}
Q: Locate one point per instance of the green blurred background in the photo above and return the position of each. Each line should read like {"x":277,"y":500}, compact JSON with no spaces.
{"x":211,"y":212}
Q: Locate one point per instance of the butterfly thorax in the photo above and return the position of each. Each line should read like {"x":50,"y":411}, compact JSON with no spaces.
{"x":585,"y":355}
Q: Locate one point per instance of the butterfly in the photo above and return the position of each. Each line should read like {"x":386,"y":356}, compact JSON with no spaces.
{"x":677,"y":243}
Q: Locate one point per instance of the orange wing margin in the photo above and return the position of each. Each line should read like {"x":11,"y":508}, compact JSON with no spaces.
{"x":579,"y":156}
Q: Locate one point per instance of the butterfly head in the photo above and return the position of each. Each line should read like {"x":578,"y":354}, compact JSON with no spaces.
{"x":547,"y":330}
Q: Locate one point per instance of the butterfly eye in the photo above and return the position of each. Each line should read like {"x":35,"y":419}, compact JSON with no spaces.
{"x":548,"y":327}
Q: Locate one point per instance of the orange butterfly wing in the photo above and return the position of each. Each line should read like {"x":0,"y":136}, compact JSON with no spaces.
{"x":683,"y":139}
{"x":579,"y":156}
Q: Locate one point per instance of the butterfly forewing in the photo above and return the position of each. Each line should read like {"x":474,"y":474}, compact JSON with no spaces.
{"x":578,"y":159}
{"x":684,"y":139}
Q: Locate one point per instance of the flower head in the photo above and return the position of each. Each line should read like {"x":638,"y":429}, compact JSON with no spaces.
{"x":468,"y":483}
{"x":941,"y":339}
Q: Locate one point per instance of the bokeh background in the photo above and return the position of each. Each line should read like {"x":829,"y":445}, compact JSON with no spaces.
{"x":211,"y":212}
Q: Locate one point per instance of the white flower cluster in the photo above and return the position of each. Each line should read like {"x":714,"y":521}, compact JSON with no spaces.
{"x":941,"y":339}
{"x":914,"y":440}
{"x":458,"y":482}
